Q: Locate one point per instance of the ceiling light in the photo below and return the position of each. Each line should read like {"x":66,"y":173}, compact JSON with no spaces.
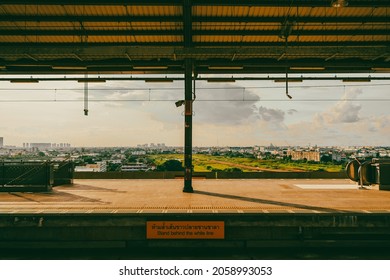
{"x":14,"y":81}
{"x":305,"y":68}
{"x":69,"y":67}
{"x":339,"y":3}
{"x":156,"y":67}
{"x":359,"y":80}
{"x":381,"y":69}
{"x":221,"y":80}
{"x":290,"y":80}
{"x":91,"y":80}
{"x":158,"y":80}
{"x":225,"y":67}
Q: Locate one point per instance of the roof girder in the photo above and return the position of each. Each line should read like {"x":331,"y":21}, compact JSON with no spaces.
{"x":188,"y":33}
{"x":239,"y":19}
{"x":107,"y":51}
{"x":253,"y":3}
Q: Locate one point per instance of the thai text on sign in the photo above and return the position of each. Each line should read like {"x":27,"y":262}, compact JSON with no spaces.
{"x":185,"y":230}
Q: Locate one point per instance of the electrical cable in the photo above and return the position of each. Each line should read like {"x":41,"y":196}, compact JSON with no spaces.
{"x":203,"y":88}
{"x":198,"y":100}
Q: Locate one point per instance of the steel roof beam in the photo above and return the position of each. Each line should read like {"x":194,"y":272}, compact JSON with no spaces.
{"x":299,"y":19}
{"x":316,"y":45}
{"x":288,"y":3}
{"x":110,"y":78}
{"x":255,"y":3}
{"x":344,"y":32}
{"x":188,"y":32}
{"x":73,"y":18}
{"x":187,"y":24}
{"x":86,"y":32}
{"x":94,"y":2}
{"x":130,"y":18}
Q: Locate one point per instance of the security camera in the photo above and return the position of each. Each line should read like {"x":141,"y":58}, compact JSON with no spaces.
{"x":179,"y":103}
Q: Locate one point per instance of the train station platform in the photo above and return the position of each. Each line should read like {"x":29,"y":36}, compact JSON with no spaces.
{"x":138,"y":216}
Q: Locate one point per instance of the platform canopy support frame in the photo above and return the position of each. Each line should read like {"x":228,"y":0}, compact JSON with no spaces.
{"x":193,"y":38}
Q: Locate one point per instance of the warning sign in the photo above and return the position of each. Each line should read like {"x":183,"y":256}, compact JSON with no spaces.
{"x":185,"y":230}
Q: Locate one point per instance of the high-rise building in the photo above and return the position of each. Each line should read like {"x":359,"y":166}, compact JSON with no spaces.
{"x":1,"y":142}
{"x":41,"y":146}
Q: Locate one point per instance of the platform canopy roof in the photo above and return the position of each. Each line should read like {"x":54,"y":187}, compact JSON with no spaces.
{"x":220,"y":36}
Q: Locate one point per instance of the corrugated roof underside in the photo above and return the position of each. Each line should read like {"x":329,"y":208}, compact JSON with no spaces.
{"x":251,"y":31}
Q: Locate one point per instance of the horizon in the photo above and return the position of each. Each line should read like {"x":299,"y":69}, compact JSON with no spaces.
{"x":246,"y":113}
{"x":141,"y":146}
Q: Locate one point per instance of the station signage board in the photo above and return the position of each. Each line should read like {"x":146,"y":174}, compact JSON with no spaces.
{"x":185,"y":230}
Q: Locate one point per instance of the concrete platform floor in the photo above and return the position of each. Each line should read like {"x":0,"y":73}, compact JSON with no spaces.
{"x":210,"y":196}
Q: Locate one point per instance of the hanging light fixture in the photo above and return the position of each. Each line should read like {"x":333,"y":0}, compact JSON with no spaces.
{"x":86,"y":94}
{"x":339,"y":3}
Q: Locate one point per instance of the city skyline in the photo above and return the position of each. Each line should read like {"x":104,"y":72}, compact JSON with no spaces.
{"x":245,"y":113}
{"x":156,"y":146}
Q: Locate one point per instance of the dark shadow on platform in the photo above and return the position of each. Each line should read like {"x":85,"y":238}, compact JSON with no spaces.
{"x":54,"y":196}
{"x":83,"y":187}
{"x":272,"y":202}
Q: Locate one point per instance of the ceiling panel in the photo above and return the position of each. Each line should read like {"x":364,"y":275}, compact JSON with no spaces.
{"x":112,"y":32}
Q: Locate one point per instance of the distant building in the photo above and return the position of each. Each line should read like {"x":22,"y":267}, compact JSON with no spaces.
{"x":308,"y":155}
{"x":41,"y":146}
{"x":46,"y":146}
{"x":337,"y":156}
{"x":138,"y":153}
{"x":135,"y":167}
{"x":96,"y":167}
{"x":1,"y":142}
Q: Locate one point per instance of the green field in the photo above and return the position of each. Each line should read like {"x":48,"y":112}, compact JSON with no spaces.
{"x":204,"y":163}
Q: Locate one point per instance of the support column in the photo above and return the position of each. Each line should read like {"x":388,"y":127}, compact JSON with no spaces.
{"x":188,"y":127}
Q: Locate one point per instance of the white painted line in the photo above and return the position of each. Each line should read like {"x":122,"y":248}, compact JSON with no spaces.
{"x":326,"y":187}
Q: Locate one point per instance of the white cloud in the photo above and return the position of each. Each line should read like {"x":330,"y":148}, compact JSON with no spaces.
{"x":271,"y":115}
{"x":237,"y":117}
{"x":344,"y":111}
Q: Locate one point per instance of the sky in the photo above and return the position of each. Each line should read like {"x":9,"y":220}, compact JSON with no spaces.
{"x":244,"y":113}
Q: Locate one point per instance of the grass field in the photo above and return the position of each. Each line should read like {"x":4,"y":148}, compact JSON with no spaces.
{"x":203,"y":163}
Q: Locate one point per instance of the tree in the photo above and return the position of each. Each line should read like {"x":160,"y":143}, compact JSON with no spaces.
{"x":326,"y":158}
{"x":171,"y":165}
{"x":113,"y":166}
{"x":232,"y":169}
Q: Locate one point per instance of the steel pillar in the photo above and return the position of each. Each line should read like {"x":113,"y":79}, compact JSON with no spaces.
{"x":188,"y":127}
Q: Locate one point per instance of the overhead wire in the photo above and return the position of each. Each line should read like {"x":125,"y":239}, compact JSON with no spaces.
{"x":202,"y":88}
{"x":198,"y":100}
